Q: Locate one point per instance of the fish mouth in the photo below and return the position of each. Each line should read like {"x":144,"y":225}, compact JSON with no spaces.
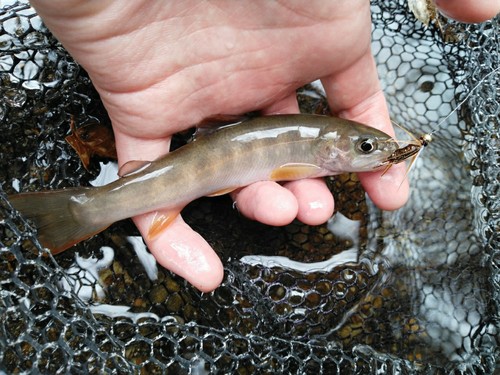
{"x":371,"y":162}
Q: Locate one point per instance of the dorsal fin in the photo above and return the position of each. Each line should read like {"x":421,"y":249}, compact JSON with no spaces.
{"x":132,"y":166}
{"x":212,"y":124}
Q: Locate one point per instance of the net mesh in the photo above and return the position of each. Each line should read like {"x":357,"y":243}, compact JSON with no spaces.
{"x":411,"y":291}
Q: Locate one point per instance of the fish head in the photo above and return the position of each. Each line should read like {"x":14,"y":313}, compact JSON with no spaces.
{"x":355,"y":148}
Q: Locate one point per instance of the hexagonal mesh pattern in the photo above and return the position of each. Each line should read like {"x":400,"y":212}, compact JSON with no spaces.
{"x":416,"y":290}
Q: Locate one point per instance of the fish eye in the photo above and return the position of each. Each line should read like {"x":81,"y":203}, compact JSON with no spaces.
{"x":367,"y":145}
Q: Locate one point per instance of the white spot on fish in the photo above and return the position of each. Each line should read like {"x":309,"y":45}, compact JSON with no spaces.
{"x":306,"y":132}
{"x":332,"y":135}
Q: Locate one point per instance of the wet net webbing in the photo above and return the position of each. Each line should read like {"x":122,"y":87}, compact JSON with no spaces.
{"x":411,"y":291}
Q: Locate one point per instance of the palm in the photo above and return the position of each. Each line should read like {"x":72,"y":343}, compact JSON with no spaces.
{"x":172,"y":72}
{"x":162,"y":67}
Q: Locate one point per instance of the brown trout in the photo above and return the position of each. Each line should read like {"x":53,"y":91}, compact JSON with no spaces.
{"x":276,"y":148}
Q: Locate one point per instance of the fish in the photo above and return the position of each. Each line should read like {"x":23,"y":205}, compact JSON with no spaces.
{"x":274,"y":148}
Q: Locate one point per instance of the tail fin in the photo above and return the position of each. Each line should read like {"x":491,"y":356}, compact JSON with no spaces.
{"x":58,"y":228}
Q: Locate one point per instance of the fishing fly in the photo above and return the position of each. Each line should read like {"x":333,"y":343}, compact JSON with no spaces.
{"x":415,"y":146}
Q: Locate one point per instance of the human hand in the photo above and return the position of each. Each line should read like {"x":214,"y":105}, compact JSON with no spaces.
{"x":469,"y":10}
{"x":162,"y":67}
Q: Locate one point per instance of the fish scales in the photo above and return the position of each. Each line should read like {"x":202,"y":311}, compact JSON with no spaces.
{"x":207,"y":165}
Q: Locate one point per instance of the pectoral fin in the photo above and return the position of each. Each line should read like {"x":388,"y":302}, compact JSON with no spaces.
{"x":294,"y":171}
{"x":161,"y":221}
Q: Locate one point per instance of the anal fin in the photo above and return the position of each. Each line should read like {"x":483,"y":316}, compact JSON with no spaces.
{"x":221,"y":192}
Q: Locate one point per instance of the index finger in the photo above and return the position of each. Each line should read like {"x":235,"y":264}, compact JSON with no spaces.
{"x":178,"y":247}
{"x":355,"y":94}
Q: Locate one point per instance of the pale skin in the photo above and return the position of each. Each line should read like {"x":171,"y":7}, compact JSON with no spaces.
{"x":161,"y":67}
